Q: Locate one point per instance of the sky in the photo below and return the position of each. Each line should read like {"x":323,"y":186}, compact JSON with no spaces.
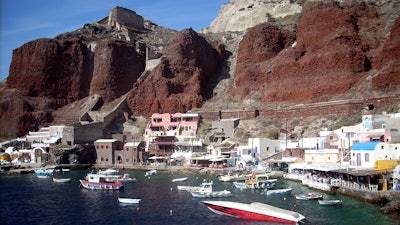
{"x":22,"y":21}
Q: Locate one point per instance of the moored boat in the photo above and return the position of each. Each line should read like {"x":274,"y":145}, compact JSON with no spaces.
{"x":254,"y":211}
{"x":129,"y":200}
{"x":205,"y":190}
{"x":99,"y":182}
{"x":150,"y":172}
{"x":61,"y":180}
{"x":330,"y":202}
{"x":179,"y":179}
{"x":125,"y":178}
{"x":309,"y":196}
{"x":277,"y":191}
{"x":257,"y":181}
{"x":44,"y":172}
{"x":108,"y":171}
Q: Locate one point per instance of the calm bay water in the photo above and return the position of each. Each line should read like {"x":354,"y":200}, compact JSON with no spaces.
{"x":26,"y":199}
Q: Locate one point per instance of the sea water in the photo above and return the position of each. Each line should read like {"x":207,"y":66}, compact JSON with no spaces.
{"x":26,"y":199}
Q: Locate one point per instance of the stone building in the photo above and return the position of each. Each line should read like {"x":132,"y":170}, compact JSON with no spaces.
{"x":106,"y":149}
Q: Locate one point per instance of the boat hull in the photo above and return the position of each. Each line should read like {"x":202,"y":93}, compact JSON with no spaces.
{"x":102,"y":185}
{"x":330,"y":202}
{"x":254,"y":211}
{"x":129,"y":200}
{"x":61,"y":180}
{"x":214,"y":194}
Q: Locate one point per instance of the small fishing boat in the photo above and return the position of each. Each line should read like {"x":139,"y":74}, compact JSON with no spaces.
{"x":257,"y":181}
{"x":125,"y":178}
{"x":179,"y":179}
{"x":108,"y":171}
{"x":276,"y":191}
{"x":44,"y":172}
{"x":150,"y":172}
{"x":330,"y":202}
{"x":61,"y":180}
{"x":254,"y":211}
{"x":99,"y":182}
{"x":129,"y":200}
{"x":206,"y":190}
{"x":309,"y":196}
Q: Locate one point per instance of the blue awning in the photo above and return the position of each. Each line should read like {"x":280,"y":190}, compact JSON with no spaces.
{"x":364,"y":146}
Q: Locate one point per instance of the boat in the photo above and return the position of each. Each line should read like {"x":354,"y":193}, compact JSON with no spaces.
{"x":276,"y":191}
{"x":42,"y":176}
{"x":206,"y":190}
{"x":330,"y":202}
{"x":125,"y":178}
{"x":254,"y":211}
{"x":129,"y":200}
{"x":309,"y":196}
{"x":187,"y":188}
{"x":256,"y":181}
{"x":61,"y":180}
{"x":150,"y":172}
{"x":44,"y":172}
{"x":108,"y":171}
{"x":229,"y":177}
{"x":179,"y":179}
{"x":99,"y":182}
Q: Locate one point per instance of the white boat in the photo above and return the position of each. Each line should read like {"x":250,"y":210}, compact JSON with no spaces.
{"x":61,"y":180}
{"x":129,"y":200}
{"x":330,"y":202}
{"x":42,"y":176}
{"x":150,"y":172}
{"x":229,"y":177}
{"x":125,"y":178}
{"x":254,"y":211}
{"x":309,"y":196}
{"x":206,"y":190}
{"x":187,"y":188}
{"x":276,"y":191}
{"x":108,"y":171}
{"x":179,"y":179}
{"x":257,"y":181}
{"x":99,"y":182}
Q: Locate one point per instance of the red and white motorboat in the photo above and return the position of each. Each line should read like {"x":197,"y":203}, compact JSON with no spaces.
{"x":254,"y":211}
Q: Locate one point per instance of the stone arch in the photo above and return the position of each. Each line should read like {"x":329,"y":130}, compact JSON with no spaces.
{"x":38,"y":152}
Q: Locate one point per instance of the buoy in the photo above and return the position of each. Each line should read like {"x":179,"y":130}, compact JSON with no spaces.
{"x":284,"y":199}
{"x":171,"y":189}
{"x":138,"y":209}
{"x":170,"y":212}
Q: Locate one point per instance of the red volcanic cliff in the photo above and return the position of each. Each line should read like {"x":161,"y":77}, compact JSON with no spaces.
{"x":335,"y":50}
{"x":183,"y":78}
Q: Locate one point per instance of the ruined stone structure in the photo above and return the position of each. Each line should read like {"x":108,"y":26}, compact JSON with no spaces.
{"x":119,"y":17}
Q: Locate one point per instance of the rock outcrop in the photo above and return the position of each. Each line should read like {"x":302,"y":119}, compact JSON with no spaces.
{"x":182,"y":80}
{"x":239,"y":15}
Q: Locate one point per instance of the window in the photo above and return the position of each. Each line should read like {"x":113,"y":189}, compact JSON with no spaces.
{"x":366,"y":157}
{"x":382,"y":147}
{"x":127,"y":149}
{"x":102,"y":159}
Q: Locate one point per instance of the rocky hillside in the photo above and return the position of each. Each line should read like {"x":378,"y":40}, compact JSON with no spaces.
{"x":255,"y":54}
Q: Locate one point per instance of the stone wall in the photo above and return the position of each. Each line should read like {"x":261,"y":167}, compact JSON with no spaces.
{"x":337,"y":108}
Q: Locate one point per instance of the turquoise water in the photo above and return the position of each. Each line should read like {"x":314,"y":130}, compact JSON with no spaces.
{"x":26,"y":199}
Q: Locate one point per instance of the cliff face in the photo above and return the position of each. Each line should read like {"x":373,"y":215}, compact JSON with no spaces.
{"x":328,"y":51}
{"x":334,"y":52}
{"x":182,"y":80}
